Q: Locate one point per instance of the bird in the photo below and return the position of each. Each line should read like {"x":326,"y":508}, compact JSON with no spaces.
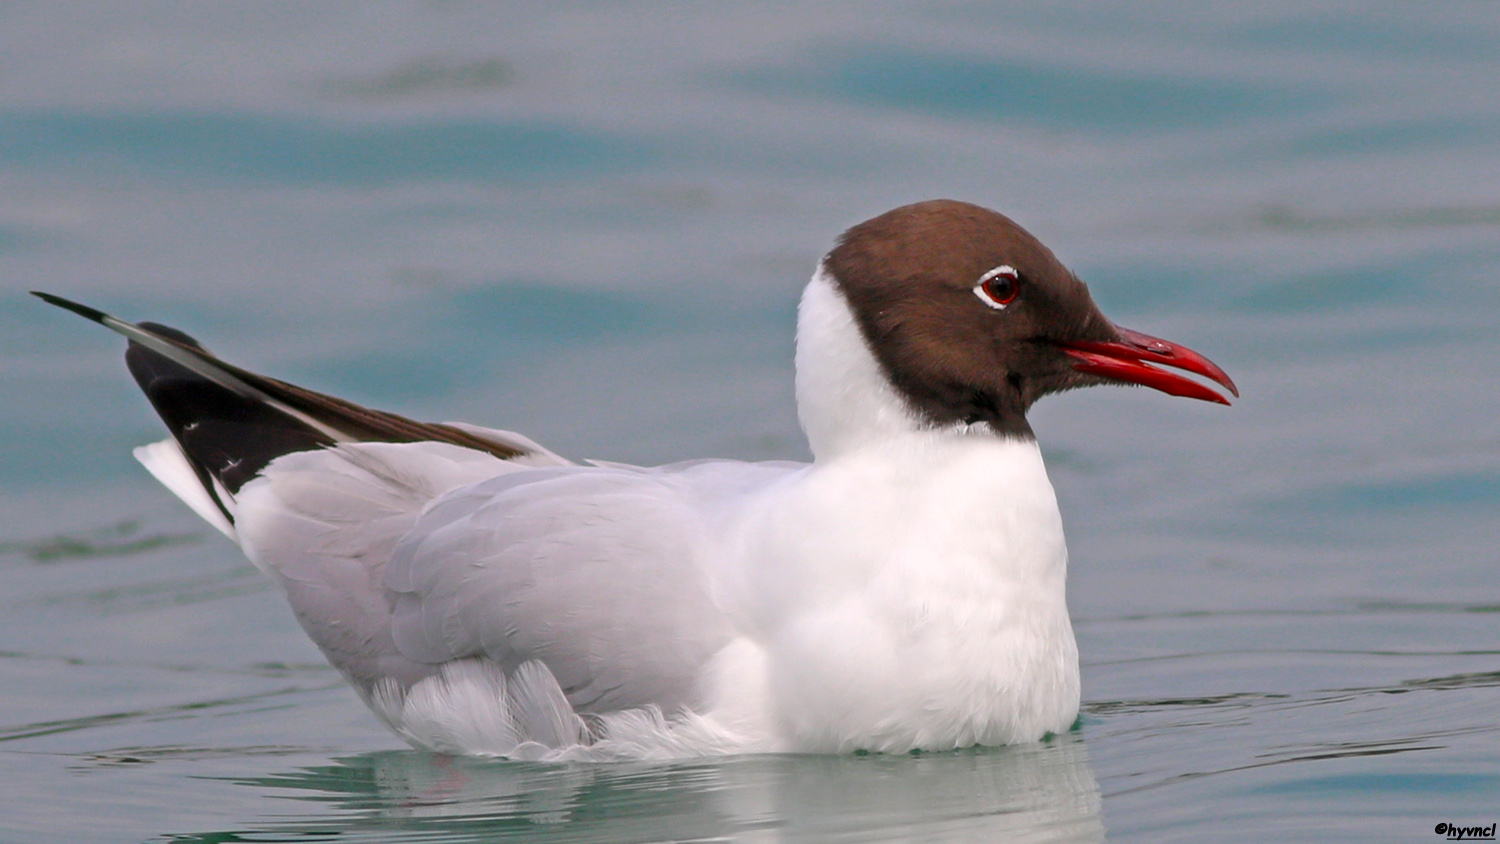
{"x":904,"y":591}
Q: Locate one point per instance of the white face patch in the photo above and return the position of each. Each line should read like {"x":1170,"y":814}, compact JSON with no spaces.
{"x":988,"y":293}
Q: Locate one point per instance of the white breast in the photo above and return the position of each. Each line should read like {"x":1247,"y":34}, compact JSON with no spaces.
{"x":907,"y":590}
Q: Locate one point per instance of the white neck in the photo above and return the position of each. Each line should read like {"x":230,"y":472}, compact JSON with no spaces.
{"x":844,"y":399}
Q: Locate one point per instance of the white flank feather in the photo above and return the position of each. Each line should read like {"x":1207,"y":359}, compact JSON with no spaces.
{"x":166,"y":462}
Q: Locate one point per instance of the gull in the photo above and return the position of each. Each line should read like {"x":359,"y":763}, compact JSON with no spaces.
{"x":903,"y":591}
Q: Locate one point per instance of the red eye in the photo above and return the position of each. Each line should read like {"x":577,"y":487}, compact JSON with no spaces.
{"x":999,"y":287}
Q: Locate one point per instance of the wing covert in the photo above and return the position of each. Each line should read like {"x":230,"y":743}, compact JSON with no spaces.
{"x":596,"y":572}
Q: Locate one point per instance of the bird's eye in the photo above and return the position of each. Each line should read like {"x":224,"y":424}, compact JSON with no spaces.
{"x":999,"y":287}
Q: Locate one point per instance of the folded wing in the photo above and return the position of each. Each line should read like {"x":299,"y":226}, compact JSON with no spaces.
{"x":597,"y":572}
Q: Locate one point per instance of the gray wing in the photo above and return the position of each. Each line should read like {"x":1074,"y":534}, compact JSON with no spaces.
{"x":598,"y":573}
{"x":323,"y":524}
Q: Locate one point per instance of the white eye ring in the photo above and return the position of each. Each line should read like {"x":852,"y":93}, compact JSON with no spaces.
{"x":983,"y":293}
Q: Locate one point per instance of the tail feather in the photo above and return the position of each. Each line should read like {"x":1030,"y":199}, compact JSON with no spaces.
{"x":230,"y":422}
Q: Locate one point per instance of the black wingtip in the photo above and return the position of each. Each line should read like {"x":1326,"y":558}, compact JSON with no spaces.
{"x":82,"y":310}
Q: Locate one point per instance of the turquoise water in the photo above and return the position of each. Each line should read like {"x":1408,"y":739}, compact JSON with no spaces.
{"x":590,"y":223}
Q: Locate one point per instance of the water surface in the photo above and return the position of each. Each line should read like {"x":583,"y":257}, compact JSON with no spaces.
{"x":590,"y":223}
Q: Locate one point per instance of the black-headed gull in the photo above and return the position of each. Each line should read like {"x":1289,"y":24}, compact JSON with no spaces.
{"x":903,"y":591}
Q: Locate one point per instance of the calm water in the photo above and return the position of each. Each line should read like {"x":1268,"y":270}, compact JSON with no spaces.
{"x":590,"y":222}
